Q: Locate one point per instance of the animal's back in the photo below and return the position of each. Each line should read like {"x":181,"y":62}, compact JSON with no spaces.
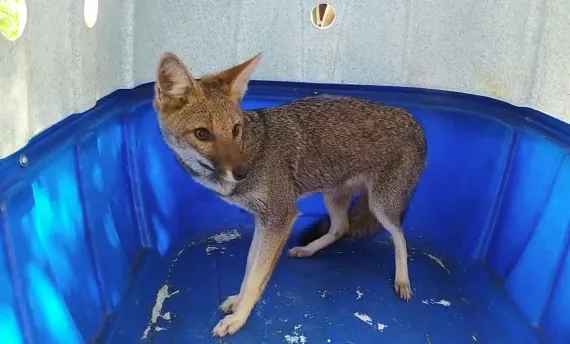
{"x":328,"y":139}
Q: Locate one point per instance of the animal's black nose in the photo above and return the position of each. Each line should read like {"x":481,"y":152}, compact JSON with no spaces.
{"x":240,"y":172}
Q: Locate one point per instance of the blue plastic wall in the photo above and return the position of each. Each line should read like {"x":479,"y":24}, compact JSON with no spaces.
{"x":100,"y":188}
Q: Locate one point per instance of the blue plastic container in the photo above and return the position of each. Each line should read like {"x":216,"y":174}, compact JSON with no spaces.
{"x":105,"y":239}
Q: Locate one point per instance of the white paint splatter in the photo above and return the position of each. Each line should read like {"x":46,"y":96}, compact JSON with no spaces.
{"x":364,"y":317}
{"x":328,"y":340}
{"x":324,"y":293}
{"x":474,"y":338}
{"x":226,"y":236}
{"x":296,"y":337}
{"x":367,"y":319}
{"x":440,"y":302}
{"x":358,"y":293}
{"x":210,"y":249}
{"x":438,"y":261}
{"x":158,"y":329}
{"x":293,"y":339}
{"x":161,"y":296}
{"x":309,"y":315}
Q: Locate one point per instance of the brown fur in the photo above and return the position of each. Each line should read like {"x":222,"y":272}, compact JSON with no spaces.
{"x":330,"y":144}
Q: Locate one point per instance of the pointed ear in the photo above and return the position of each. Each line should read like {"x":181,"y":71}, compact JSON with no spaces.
{"x":236,"y":78}
{"x":173,"y":81}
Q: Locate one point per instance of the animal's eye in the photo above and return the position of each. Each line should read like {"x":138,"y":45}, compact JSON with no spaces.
{"x":202,"y":134}
{"x":236,"y":130}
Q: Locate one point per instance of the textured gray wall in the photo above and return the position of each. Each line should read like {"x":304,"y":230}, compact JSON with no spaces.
{"x":514,"y":50}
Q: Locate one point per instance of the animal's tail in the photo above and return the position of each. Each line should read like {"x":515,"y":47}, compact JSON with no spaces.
{"x":361,"y":222}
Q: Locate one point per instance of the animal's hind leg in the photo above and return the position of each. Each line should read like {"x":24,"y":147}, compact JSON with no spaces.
{"x":387,"y":203}
{"x":337,"y":203}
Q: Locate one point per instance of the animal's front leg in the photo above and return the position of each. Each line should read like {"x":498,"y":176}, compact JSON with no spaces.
{"x":272,"y":233}
{"x":230,"y":304}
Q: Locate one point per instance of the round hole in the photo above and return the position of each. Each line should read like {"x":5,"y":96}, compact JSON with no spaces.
{"x":323,"y":16}
{"x":13,"y":17}
{"x":90,"y":11}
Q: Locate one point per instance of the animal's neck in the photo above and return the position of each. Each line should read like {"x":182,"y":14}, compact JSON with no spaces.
{"x":254,"y":135}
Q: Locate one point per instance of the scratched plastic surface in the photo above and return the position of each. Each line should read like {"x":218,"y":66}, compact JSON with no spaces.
{"x":106,"y":240}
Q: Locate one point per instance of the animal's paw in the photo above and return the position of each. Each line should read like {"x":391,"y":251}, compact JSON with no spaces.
{"x":230,"y":304}
{"x":403,"y":289}
{"x":229,"y":325}
{"x":300,"y":252}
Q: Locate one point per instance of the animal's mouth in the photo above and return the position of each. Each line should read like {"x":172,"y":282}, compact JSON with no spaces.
{"x":206,"y":166}
{"x":227,"y":176}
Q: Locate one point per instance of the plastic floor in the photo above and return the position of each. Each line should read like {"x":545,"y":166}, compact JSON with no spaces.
{"x":343,"y":294}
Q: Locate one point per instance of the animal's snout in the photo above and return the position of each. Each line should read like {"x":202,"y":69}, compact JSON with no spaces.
{"x":240,"y":172}
{"x":230,"y":161}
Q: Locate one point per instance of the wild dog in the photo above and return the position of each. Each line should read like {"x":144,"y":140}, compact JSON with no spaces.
{"x":264,"y":160}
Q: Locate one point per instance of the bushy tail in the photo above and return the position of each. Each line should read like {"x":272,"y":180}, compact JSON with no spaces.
{"x":361,"y":221}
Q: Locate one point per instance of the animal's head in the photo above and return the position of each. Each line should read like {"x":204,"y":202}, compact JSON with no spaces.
{"x":201,"y":120}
